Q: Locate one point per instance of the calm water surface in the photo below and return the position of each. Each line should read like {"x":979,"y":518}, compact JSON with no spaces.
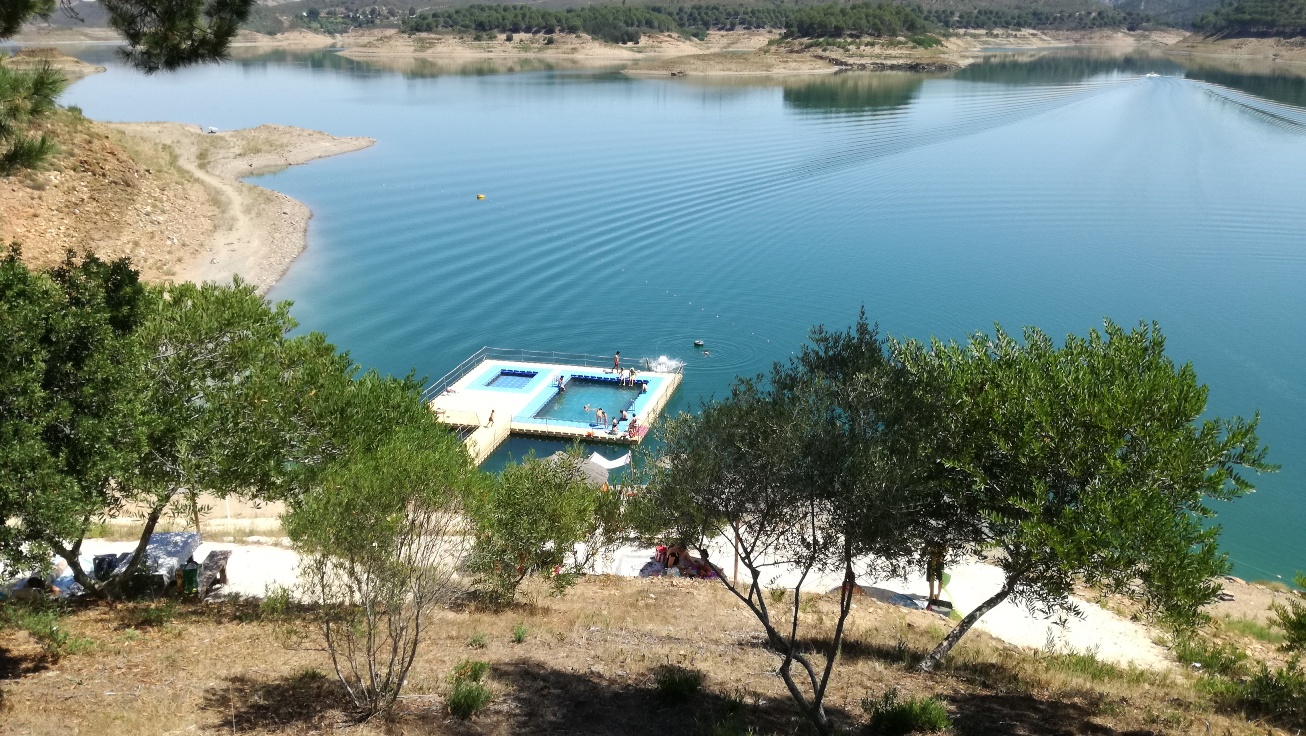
{"x":639,"y":215}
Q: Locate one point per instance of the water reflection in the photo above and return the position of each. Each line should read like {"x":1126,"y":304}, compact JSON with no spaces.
{"x":414,"y":67}
{"x":1277,"y":81}
{"x":853,"y":93}
{"x":1064,"y":66}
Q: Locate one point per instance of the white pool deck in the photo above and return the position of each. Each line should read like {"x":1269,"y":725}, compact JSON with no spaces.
{"x":493,"y":413}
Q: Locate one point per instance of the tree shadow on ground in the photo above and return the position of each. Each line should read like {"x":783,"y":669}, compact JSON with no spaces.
{"x":1005,"y":710}
{"x":244,"y":704}
{"x":1011,"y":714}
{"x":15,"y":665}
{"x":539,"y":699}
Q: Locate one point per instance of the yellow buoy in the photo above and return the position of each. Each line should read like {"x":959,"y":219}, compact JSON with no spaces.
{"x":480,"y":196}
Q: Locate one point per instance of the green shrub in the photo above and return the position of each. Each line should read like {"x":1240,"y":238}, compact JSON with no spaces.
{"x":1215,"y":659}
{"x":677,"y":684}
{"x":478,"y":641}
{"x":519,"y":633}
{"x":466,"y":699}
{"x":276,"y":602}
{"x":892,"y":716}
{"x":468,"y":695}
{"x":1292,"y":619}
{"x":471,"y":670}
{"x":1279,"y":694}
{"x":532,"y":518}
{"x":1254,"y":629}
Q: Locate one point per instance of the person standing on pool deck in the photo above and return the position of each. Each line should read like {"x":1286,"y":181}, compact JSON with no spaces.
{"x":562,"y":383}
{"x":616,"y":361}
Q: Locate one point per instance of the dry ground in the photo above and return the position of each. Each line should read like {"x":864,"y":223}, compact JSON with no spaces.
{"x":1276,"y":49}
{"x":109,"y":194}
{"x":73,"y":69}
{"x":585,"y":667}
{"x":166,"y":195}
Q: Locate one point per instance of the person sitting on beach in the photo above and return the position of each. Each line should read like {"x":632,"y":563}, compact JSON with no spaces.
{"x":705,"y":569}
{"x":673,"y":556}
{"x":34,"y":589}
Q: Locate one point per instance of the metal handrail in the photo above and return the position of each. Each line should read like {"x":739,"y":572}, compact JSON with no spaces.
{"x":528,"y":356}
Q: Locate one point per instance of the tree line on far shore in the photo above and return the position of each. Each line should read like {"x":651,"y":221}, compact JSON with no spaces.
{"x":1252,"y":18}
{"x":1082,"y":463}
{"x":624,"y":24}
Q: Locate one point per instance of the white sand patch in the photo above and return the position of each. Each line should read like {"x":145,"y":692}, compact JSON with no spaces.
{"x":251,"y":571}
{"x":1110,"y":636}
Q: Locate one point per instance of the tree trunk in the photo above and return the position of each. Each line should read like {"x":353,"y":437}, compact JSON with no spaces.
{"x":934,"y":658}
{"x":113,"y":587}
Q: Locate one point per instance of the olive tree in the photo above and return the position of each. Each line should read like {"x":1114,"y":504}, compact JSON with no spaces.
{"x":1085,"y":462}
{"x":69,"y":401}
{"x":542,"y":516}
{"x":125,"y":400}
{"x":805,"y":473}
{"x":381,"y":540}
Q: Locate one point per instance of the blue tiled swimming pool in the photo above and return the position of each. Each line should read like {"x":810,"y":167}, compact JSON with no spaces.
{"x":581,"y":392}
{"x":512,"y":379}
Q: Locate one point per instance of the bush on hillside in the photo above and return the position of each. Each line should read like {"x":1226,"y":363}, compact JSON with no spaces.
{"x":893,"y":716}
{"x":541,"y":517}
{"x":1292,"y":619}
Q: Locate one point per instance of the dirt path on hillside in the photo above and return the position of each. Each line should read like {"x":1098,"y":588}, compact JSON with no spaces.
{"x":257,"y":232}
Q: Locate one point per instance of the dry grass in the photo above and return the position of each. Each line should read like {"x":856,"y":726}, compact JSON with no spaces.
{"x":589,"y":665}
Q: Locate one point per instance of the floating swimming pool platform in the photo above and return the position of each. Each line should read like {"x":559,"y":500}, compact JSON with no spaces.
{"x":498,"y":392}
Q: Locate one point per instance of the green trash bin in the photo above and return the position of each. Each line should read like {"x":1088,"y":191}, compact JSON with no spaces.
{"x":190,"y":579}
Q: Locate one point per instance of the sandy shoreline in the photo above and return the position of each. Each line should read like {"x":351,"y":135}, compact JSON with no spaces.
{"x":260,"y":231}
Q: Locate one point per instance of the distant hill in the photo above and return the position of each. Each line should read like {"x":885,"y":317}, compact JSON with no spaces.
{"x":1255,"y":18}
{"x":339,"y":16}
{"x":1179,"y":13}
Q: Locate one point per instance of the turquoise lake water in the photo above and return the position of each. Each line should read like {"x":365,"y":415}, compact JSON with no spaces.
{"x":641,"y":214}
